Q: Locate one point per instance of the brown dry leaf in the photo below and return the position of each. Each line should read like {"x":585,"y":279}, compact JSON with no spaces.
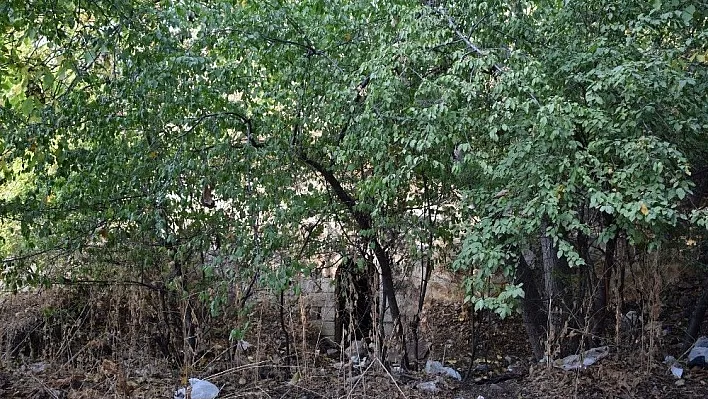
{"x":74,"y":381}
{"x":85,"y":394}
{"x":124,"y":386}
{"x":109,"y":367}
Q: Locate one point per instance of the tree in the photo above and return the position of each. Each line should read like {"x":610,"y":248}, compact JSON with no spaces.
{"x":285,"y":125}
{"x":246,"y":143}
{"x":591,"y":129}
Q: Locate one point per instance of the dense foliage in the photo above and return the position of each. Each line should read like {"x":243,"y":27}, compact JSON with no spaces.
{"x":254,"y":141}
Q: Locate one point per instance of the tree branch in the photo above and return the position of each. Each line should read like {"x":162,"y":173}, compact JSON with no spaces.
{"x":496,"y":69}
{"x":246,"y":121}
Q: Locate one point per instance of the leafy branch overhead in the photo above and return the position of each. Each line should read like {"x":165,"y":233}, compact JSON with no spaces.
{"x":536,"y":132}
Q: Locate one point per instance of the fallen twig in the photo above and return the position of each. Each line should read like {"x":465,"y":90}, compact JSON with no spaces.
{"x":238,"y":368}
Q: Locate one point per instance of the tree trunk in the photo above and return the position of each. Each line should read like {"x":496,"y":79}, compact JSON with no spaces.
{"x":600,"y":302}
{"x":353,"y":316}
{"x":364,"y":222}
{"x":531,"y":308}
{"x":427,"y":271}
{"x":549,"y":261}
{"x":556,"y":278}
{"x":389,"y":292}
{"x":283,"y":326}
{"x":697,"y":316}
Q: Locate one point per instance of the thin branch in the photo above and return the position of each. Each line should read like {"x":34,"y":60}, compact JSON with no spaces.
{"x":496,"y":69}
{"x":107,"y":282}
{"x":30,"y":255}
{"x":308,"y":48}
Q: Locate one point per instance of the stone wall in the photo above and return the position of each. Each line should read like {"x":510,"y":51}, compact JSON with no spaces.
{"x":319,"y":298}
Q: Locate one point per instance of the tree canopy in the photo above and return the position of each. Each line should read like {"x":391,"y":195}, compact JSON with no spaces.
{"x":276,"y":134}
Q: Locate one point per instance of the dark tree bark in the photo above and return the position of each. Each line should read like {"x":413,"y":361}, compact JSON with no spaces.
{"x":354,"y":299}
{"x":697,"y":316}
{"x":549,"y":260}
{"x":552,"y":285}
{"x":600,"y":302}
{"x":531,"y":308}
{"x":283,"y":326}
{"x":558,"y":293}
{"x":364,"y":222}
{"x":699,"y":311}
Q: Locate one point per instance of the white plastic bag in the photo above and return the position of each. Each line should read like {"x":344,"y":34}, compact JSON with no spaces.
{"x":201,"y":389}
{"x":433,"y":367}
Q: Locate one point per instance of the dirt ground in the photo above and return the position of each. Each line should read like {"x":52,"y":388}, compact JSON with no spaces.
{"x":56,"y":344}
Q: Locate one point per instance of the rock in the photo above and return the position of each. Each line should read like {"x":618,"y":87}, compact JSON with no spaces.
{"x":482,"y":368}
{"x":423,"y":350}
{"x":680,"y":383}
{"x":327,"y":344}
{"x":699,"y":353}
{"x":588,"y":358}
{"x":496,"y":388}
{"x":429,"y":387}
{"x":433,"y":367}
{"x":38,"y":367}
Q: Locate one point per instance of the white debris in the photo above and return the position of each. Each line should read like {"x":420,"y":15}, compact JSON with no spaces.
{"x":674,"y":366}
{"x":699,"y":353}
{"x":433,"y":367}
{"x":676,"y":371}
{"x":242,"y":345}
{"x":429,"y":387}
{"x":201,"y":389}
{"x":356,"y":351}
{"x":587,"y":358}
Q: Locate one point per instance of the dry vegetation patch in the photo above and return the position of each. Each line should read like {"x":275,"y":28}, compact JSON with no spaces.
{"x":96,"y":342}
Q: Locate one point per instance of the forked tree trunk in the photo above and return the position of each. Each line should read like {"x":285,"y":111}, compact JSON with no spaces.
{"x":389,"y":293}
{"x":364,"y":222}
